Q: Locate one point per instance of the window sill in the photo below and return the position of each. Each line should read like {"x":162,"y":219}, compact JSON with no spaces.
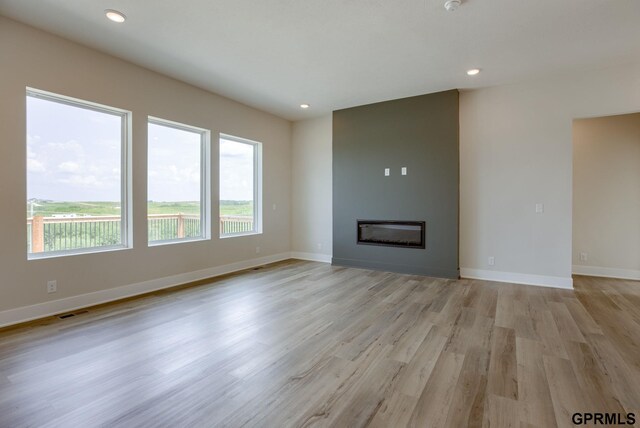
{"x":235,"y":235}
{"x":79,"y":252}
{"x":176,"y":241}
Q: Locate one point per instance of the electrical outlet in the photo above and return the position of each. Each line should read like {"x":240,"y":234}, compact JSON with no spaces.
{"x":403,"y":171}
{"x":583,"y":257}
{"x":257,"y":250}
{"x":387,"y":172}
{"x":319,"y":246}
{"x":492,"y":261}
{"x":52,"y":286}
{"x":274,"y":207}
{"x":539,"y":208}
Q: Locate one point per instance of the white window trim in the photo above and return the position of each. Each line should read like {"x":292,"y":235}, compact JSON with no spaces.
{"x":257,"y":186}
{"x":125,"y":171}
{"x":205,"y":181}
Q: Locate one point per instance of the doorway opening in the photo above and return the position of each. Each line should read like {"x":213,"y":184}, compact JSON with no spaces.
{"x":606,"y":196}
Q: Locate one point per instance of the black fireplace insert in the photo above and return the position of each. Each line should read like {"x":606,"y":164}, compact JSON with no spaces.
{"x":392,"y":233}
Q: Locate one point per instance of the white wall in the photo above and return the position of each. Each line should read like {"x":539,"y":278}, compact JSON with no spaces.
{"x":37,"y":59}
{"x":606,"y":196}
{"x":515,"y":151}
{"x":311,"y":233}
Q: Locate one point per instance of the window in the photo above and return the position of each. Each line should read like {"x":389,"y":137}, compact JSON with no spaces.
{"x":177,"y":185}
{"x":77,"y":176}
{"x":240,"y":186}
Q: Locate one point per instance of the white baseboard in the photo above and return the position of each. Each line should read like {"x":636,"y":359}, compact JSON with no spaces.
{"x":607,"y":272}
{"x":69,"y":304}
{"x":41,"y":310}
{"x":314,"y":257}
{"x":517,"y":278}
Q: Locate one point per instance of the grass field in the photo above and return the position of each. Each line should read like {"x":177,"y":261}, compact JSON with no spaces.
{"x":50,"y":208}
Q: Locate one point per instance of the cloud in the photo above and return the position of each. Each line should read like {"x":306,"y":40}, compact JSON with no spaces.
{"x":71,"y":145}
{"x":69,"y":167}
{"x":83,"y":181}
{"x":30,"y":153}
{"x":233,"y":149}
{"x":34,"y":165}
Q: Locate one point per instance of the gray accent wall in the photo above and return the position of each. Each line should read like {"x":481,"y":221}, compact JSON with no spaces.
{"x":419,"y":133}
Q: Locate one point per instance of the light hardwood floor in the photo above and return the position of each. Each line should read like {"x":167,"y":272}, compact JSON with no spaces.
{"x":306,"y":344}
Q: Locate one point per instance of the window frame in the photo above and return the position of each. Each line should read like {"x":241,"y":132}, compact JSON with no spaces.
{"x":126,"y":232}
{"x":205,"y":180}
{"x":257,"y":185}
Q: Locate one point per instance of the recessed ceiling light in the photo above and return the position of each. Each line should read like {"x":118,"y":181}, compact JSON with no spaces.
{"x":452,"y":5}
{"x":473,"y":71}
{"x":304,"y":106}
{"x":115,"y":16}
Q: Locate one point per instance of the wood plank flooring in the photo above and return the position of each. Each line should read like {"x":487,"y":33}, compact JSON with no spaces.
{"x":305,"y":344}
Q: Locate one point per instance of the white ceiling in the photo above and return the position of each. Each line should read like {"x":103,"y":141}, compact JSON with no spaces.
{"x":332,"y":54}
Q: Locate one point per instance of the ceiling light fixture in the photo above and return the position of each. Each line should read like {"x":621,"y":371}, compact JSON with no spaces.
{"x":115,"y":16}
{"x":304,"y":106}
{"x":452,"y":5}
{"x":473,"y":71}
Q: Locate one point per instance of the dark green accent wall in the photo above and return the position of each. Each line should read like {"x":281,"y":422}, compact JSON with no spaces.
{"x":420,"y":133}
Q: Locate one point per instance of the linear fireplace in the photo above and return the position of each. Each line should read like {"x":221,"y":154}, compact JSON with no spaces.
{"x":392,"y":233}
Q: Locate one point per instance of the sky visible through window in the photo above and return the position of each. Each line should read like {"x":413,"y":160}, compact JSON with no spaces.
{"x":236,"y":171}
{"x":173,"y":164}
{"x":74,"y":154}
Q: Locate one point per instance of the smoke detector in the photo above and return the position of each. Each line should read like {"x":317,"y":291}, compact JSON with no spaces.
{"x":452,"y":5}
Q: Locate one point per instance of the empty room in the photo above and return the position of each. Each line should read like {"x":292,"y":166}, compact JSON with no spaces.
{"x":335,"y":214}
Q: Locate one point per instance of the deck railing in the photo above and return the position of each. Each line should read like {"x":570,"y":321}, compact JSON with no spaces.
{"x":235,"y":224}
{"x":164,"y":227}
{"x":70,"y":233}
{"x":46,"y":234}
